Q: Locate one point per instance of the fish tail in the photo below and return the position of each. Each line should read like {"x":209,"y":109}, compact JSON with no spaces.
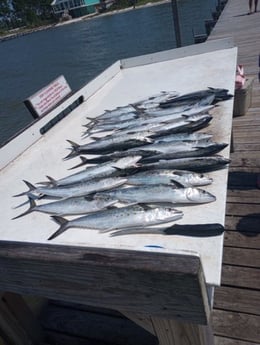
{"x":84,"y":161}
{"x":30,"y":186}
{"x":30,"y":209}
{"x":62,"y":222}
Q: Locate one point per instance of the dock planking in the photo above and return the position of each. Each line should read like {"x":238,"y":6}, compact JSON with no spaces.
{"x":236,"y":314}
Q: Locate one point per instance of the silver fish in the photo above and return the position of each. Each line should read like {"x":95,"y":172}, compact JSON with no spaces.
{"x":78,"y":189}
{"x":163,"y":176}
{"x":68,"y":207}
{"x":197,"y":164}
{"x":154,"y":101}
{"x":160,"y":194}
{"x":197,"y":136}
{"x":102,"y":170}
{"x":182,"y":149}
{"x":110,"y":144}
{"x":119,"y":218}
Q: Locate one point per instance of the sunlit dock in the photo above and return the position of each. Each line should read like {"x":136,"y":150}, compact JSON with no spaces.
{"x":236,"y":316}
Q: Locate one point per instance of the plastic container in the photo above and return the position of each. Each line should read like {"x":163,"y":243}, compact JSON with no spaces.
{"x":243,"y":98}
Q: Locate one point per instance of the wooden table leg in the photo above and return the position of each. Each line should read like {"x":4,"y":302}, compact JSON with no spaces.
{"x":173,"y":332}
{"x":18,"y":326}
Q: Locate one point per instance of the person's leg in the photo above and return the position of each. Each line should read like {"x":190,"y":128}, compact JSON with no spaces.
{"x":256,"y":3}
{"x":250,"y":6}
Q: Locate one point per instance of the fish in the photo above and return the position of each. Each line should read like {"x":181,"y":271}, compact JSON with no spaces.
{"x":106,"y":169}
{"x":159,"y":194}
{"x":68,"y":207}
{"x":160,"y":150}
{"x":119,"y":218}
{"x":154,"y":101}
{"x":196,"y":164}
{"x":182,"y":150}
{"x":76,"y":189}
{"x":163,"y":176}
{"x":185,"y":136}
{"x":198,"y":96}
{"x":108,"y":145}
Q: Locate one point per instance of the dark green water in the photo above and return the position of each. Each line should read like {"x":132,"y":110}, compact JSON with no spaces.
{"x":82,"y":50}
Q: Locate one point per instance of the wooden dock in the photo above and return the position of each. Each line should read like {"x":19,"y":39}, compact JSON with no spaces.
{"x":236,"y":314}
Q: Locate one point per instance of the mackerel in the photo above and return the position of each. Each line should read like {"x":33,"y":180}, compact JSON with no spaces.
{"x":107,"y":145}
{"x":68,"y":207}
{"x":160,"y":194}
{"x":197,"y":164}
{"x":110,"y":168}
{"x":76,"y":189}
{"x":119,"y":218}
{"x":164,"y":176}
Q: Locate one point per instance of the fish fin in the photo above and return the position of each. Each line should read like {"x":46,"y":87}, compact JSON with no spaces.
{"x":52,"y":180}
{"x":29,"y":185}
{"x":72,"y":143}
{"x":145,"y":207}
{"x":84,"y":161}
{"x":177,"y":184}
{"x":62,"y":222}
{"x":30,"y":209}
{"x":95,"y":138}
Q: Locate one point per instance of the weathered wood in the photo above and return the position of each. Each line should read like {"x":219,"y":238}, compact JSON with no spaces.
{"x":229,"y":341}
{"x":245,"y":257}
{"x":24,"y":316}
{"x":246,"y":277}
{"x":237,"y":300}
{"x":164,"y":285}
{"x":251,"y":210}
{"x":240,"y":326}
{"x":242,"y":239}
{"x":245,"y":224}
{"x":10,"y":329}
{"x":173,"y":332}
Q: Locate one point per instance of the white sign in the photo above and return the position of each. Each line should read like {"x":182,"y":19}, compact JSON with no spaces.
{"x":48,"y":97}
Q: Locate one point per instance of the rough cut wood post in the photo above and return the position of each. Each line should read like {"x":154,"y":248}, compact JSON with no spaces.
{"x":11,"y":330}
{"x":174,"y":332}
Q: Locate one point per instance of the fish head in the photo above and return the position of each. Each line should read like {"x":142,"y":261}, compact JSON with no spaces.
{"x":199,"y":196}
{"x":200,"y":179}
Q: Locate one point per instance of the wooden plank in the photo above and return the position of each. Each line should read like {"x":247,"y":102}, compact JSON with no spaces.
{"x":245,"y":160}
{"x":10,"y":329}
{"x":248,"y":209}
{"x":24,"y":316}
{"x":162,"y":283}
{"x":246,"y":224}
{"x":173,"y":332}
{"x":241,"y":256}
{"x":246,"y":195}
{"x":245,"y":277}
{"x":229,"y":341}
{"x":237,"y":300}
{"x":242,"y":326}
{"x":242,"y":239}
